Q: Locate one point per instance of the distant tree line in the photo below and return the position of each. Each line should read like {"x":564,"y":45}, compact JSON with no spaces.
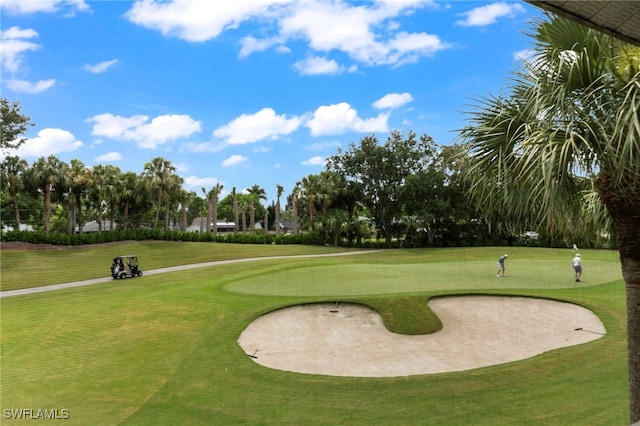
{"x":403,"y":192}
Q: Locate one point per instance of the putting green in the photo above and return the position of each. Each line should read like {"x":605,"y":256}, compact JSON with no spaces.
{"x":369,"y":279}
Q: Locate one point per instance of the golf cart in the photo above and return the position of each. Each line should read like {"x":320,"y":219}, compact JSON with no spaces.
{"x":125,"y":267}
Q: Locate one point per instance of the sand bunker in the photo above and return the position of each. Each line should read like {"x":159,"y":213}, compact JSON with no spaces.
{"x":478,"y":331}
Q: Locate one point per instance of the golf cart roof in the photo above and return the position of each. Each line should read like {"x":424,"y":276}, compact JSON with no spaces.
{"x":126,"y":256}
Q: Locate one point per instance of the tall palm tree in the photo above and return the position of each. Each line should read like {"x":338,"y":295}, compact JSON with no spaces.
{"x":572,"y":117}
{"x":157,"y":171}
{"x":258,"y":192}
{"x":43,"y":175}
{"x":185,"y":199}
{"x":62,"y":189}
{"x":79,"y":181}
{"x":12,"y":169}
{"x":215,"y":195}
{"x":104,"y":191}
{"x":310,"y":189}
{"x":295,"y":217}
{"x":234,"y":195}
{"x":207,"y":199}
{"x":212,"y":198}
{"x":128,"y":195}
{"x":280,"y":190}
{"x":173,"y":187}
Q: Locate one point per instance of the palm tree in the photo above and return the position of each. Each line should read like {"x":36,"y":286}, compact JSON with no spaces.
{"x":572,"y":118}
{"x":243,"y":205}
{"x":207,"y":198}
{"x":61,"y":189}
{"x":157,"y":171}
{"x":43,"y":175}
{"x":173,"y":187}
{"x":295,"y":217}
{"x":215,"y":194}
{"x":234,"y":195}
{"x":185,"y":199}
{"x":128,"y":195}
{"x":104,"y":191}
{"x":79,"y":181}
{"x":12,"y":170}
{"x":257,"y":193}
{"x":310,"y":189}
{"x":211,"y":199}
{"x":280,"y":190}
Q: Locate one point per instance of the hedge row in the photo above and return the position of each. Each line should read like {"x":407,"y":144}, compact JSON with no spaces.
{"x":39,"y":237}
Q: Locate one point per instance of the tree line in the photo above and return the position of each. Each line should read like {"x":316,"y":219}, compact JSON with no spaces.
{"x":405,"y":191}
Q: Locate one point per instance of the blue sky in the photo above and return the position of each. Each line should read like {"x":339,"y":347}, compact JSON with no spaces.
{"x":248,"y":92}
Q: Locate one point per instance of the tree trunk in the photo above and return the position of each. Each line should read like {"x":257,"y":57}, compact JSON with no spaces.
{"x":70,"y":211}
{"x":16,"y":208}
{"x":79,"y":215}
{"x":277,"y":219}
{"x":625,"y":212}
{"x":214,"y":214}
{"x":166,"y":216}
{"x":125,"y":217}
{"x":159,"y":206}
{"x":266,"y":220}
{"x":294,"y":213}
{"x":47,"y":206}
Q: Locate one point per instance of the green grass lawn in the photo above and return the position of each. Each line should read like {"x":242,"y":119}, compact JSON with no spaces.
{"x":162,"y":349}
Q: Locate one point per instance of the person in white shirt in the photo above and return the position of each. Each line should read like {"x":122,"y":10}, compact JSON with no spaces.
{"x":577,"y":266}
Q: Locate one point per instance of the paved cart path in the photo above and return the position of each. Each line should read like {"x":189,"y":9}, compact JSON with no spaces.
{"x":53,"y":287}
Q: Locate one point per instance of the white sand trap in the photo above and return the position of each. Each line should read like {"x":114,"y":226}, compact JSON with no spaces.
{"x":478,"y":331}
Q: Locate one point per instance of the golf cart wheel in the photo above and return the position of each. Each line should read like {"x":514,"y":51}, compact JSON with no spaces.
{"x":140,"y":273}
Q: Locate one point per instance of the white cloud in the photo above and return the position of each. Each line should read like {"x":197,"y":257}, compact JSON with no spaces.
{"x":264,"y":124}
{"x":49,"y":141}
{"x":29,"y":87}
{"x":204,"y":147}
{"x":314,"y":161}
{"x":14,"y":44}
{"x":198,"y":20}
{"x":109,"y":157}
{"x":321,"y":146}
{"x":316,"y":65}
{"x":195,"y":183}
{"x":283,"y":49}
{"x":100,"y":67}
{"x":23,"y":7}
{"x":251,"y":44}
{"x":138,"y":128}
{"x":366,"y":32}
{"x":234,"y":160}
{"x":350,"y":28}
{"x":489,"y":14}
{"x":340,"y":118}
{"x":393,"y":100}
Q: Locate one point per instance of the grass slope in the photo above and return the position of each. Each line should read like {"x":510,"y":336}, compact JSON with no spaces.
{"x":162,"y":349}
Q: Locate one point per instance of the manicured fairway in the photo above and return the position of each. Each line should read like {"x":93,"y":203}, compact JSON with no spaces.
{"x":162,"y":349}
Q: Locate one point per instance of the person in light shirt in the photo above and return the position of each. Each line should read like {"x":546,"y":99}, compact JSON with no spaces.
{"x":500,"y":272}
{"x":577,"y":266}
